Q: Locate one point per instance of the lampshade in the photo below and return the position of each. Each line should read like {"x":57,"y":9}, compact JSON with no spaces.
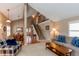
{"x":8,"y":21}
{"x":33,"y":16}
{"x":54,"y":32}
{"x":54,"y":29}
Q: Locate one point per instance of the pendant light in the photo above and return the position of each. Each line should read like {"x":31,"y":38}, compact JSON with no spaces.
{"x":8,"y":21}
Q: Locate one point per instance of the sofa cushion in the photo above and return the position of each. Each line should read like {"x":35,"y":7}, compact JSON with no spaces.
{"x":61,"y":38}
{"x":11,"y":42}
{"x":73,"y":42}
{"x":77,"y":43}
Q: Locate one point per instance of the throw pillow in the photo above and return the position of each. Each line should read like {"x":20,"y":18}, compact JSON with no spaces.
{"x":77,"y":43}
{"x":73,"y":42}
{"x":11,"y":42}
{"x":61,"y":38}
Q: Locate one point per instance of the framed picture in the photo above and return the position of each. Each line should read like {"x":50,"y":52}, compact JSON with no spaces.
{"x":47,"y":27}
{"x":4,"y":28}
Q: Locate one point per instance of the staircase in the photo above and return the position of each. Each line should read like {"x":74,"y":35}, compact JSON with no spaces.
{"x":39,"y":31}
{"x":38,"y":18}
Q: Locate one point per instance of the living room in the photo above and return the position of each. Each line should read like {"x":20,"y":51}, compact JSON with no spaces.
{"x":40,"y":26}
{"x":11,"y":28}
{"x":60,"y":23}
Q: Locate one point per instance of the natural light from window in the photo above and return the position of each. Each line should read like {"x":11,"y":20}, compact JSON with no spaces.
{"x":74,"y":29}
{"x":8,"y":31}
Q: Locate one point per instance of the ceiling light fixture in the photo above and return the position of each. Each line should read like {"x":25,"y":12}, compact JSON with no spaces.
{"x":8,"y":21}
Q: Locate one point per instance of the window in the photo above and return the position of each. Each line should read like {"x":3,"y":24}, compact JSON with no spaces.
{"x":8,"y":31}
{"x":74,"y":29}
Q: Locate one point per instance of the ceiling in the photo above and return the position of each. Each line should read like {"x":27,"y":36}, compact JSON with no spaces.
{"x":16,"y":9}
{"x":57,"y":11}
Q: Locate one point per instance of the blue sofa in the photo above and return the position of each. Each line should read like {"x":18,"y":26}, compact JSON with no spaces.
{"x":72,"y":43}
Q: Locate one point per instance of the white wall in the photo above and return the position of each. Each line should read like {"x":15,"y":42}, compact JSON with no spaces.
{"x":46,"y":33}
{"x":31,"y":11}
{"x":15,"y":24}
{"x":63,"y":25}
{"x":3,"y":19}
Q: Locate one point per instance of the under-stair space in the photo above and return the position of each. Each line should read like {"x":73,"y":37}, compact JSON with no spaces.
{"x":39,"y":31}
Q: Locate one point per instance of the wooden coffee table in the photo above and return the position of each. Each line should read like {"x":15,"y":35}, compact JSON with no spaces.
{"x":58,"y":49}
